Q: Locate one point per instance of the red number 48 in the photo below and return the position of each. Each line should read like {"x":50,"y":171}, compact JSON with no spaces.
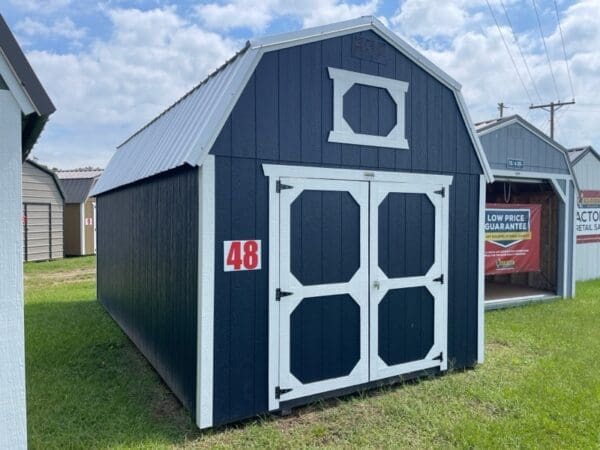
{"x":242,"y":255}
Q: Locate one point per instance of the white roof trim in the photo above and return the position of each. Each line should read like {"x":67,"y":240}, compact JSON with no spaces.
{"x":15,"y":87}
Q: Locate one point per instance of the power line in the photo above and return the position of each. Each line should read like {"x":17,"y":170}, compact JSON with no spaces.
{"x":545,"y":47}
{"x":562,"y":39}
{"x":512,"y":30}
{"x":508,"y":51}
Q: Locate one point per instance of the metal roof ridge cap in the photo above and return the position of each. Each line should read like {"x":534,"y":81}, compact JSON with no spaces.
{"x":311,"y":32}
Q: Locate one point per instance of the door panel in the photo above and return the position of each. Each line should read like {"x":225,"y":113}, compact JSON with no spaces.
{"x":407,"y":294}
{"x":324,"y":269}
{"x":361,"y":275}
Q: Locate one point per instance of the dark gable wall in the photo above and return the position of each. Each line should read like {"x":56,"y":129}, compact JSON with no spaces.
{"x":284,"y":115}
{"x":148,"y":270}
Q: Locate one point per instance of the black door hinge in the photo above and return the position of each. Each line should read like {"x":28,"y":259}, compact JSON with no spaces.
{"x":439,"y":357}
{"x":279,"y":392}
{"x":439,"y":279}
{"x":441,"y":192}
{"x":279,"y":186}
{"x":279,"y":293}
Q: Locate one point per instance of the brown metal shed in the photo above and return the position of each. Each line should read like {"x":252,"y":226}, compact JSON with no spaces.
{"x":80,"y":211}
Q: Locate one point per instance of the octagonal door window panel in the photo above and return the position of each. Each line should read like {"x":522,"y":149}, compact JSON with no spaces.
{"x":325,"y":237}
{"x":408,"y":291}
{"x":324,"y":285}
{"x":406,"y":234}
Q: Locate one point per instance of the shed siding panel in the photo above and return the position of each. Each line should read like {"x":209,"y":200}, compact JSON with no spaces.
{"x":40,"y":187}
{"x":148,"y":271}
{"x":516,"y":142}
{"x":438,"y":142}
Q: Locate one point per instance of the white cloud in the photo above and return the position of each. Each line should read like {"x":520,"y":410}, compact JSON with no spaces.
{"x":474,"y":54}
{"x":256,"y":15}
{"x":64,"y":28}
{"x":41,"y":6}
{"x":104,"y":93}
{"x":427,"y":19}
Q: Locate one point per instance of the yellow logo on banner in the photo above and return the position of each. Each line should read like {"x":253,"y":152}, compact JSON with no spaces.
{"x":508,"y":236}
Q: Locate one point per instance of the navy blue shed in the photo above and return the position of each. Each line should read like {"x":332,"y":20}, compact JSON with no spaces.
{"x":304,"y":223}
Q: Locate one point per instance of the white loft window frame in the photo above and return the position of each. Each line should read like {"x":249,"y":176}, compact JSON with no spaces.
{"x":343,"y":133}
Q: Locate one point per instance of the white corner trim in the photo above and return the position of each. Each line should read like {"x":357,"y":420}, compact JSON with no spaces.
{"x":573,"y":242}
{"x":342,"y":132}
{"x":82,"y":228}
{"x":13,"y":411}
{"x":567,"y":262}
{"x":481,"y":273}
{"x":206,"y":277}
{"x":15,"y":87}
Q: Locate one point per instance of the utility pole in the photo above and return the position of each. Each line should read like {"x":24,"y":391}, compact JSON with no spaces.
{"x":501,"y":108}
{"x":552,"y":107}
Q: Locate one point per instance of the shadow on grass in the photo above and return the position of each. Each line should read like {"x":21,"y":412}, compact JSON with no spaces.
{"x":89,"y":387}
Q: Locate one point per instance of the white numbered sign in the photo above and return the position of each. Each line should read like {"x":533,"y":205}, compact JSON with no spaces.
{"x":241,"y":255}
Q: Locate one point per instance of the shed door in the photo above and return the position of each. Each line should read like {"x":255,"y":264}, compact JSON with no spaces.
{"x":408,"y":294}
{"x":324,"y":286}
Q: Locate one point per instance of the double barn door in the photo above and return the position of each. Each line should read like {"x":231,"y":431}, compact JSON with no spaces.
{"x":362,"y":290}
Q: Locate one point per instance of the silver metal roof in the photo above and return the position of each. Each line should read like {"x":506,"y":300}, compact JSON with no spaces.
{"x":577,"y":154}
{"x":185,"y":132}
{"x":78,"y":174}
{"x":76,"y":189}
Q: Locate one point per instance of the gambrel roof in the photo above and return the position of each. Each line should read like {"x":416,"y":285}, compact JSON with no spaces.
{"x":577,"y":154}
{"x":185,"y":132}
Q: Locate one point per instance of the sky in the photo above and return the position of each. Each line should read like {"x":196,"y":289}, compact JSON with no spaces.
{"x":110,"y":66}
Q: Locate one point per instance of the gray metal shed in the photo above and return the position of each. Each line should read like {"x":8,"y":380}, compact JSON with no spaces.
{"x":530,"y":168}
{"x":43,"y":202}
{"x":585,"y":163}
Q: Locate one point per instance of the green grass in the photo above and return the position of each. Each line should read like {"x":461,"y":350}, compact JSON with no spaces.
{"x":87,"y":386}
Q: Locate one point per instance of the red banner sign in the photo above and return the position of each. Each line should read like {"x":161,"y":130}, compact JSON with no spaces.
{"x":512,"y":238}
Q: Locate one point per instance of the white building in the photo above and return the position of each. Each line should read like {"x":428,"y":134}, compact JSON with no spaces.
{"x":586,"y":168}
{"x":24,"y":109}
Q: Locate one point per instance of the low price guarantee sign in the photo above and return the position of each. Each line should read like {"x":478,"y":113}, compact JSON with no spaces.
{"x":512,"y":238}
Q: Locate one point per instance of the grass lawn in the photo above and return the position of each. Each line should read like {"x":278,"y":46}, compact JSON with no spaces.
{"x":88,"y":387}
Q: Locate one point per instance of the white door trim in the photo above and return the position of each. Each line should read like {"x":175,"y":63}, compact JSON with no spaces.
{"x":276,"y":171}
{"x":356,"y":287}
{"x":380,"y":284}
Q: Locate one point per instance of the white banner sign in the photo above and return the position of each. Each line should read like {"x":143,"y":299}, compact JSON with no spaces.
{"x":587,"y":225}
